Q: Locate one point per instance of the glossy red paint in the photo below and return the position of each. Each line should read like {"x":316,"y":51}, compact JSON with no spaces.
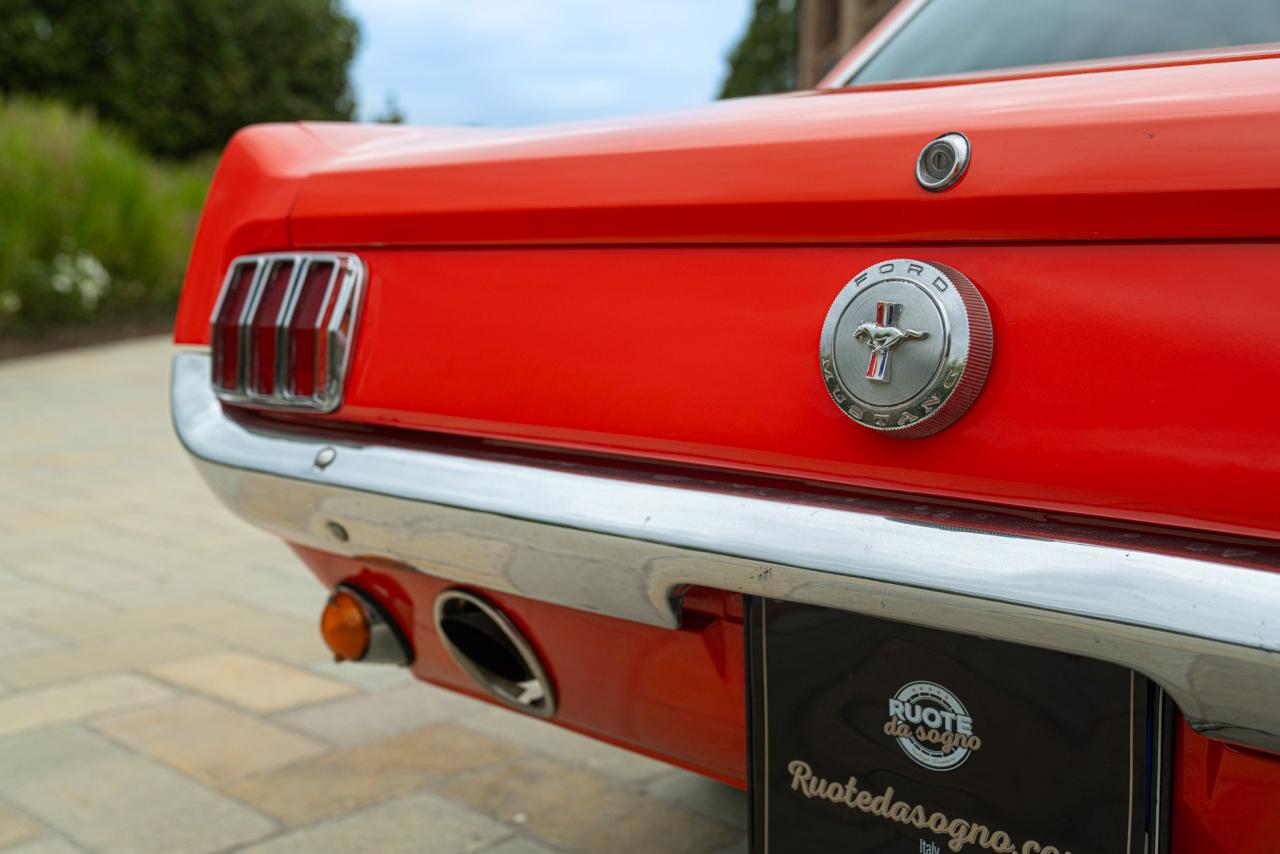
{"x":1179,"y":152}
{"x":676,"y":695}
{"x":246,"y":211}
{"x":1103,"y":398}
{"x":1102,"y":390}
{"x":1225,"y":799}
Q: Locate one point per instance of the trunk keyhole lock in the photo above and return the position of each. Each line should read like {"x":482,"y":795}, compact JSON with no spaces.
{"x":943,"y":161}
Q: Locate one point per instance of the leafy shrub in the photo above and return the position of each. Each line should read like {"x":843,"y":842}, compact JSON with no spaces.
{"x":90,"y":227}
{"x":182,"y":75}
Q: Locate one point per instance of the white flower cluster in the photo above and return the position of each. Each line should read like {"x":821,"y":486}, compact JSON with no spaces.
{"x":81,"y":274}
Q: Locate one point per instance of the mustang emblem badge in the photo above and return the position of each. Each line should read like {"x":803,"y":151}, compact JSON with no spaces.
{"x":881,"y":335}
{"x":940,"y":360}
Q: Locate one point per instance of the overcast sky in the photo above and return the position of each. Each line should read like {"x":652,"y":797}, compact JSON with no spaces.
{"x":519,"y":62}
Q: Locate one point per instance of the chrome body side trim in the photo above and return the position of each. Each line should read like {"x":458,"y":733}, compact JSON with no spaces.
{"x":1201,"y":621}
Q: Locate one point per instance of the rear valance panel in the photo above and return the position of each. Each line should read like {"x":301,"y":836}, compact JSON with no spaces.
{"x":1129,"y":381}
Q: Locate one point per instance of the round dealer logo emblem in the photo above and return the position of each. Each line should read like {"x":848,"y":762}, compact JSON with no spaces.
{"x":931,"y":726}
{"x":906,"y":347}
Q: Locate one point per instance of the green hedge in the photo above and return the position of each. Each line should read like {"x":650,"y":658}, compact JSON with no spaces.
{"x":91,"y":228}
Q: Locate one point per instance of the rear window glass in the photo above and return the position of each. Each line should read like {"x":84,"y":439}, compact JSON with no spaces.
{"x":964,"y":36}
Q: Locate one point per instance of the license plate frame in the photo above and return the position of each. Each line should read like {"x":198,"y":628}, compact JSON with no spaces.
{"x":1050,"y":727}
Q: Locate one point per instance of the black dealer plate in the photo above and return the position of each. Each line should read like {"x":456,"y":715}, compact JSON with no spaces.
{"x":874,"y":736}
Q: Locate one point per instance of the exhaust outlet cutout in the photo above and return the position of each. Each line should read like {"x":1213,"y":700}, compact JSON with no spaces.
{"x":493,"y":652}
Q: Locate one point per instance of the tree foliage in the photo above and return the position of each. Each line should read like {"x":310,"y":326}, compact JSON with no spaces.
{"x":391,"y":113}
{"x":182,"y":75}
{"x":91,"y":227}
{"x":764,"y":60}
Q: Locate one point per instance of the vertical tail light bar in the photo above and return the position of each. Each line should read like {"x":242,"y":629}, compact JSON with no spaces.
{"x":265,"y":329}
{"x":304,"y":351}
{"x":283,"y":329}
{"x":233,"y":304}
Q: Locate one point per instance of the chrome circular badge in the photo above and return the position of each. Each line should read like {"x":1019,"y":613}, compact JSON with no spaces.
{"x":906,"y":347}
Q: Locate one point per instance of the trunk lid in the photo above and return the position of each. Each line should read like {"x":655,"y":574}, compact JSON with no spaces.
{"x":1168,"y":153}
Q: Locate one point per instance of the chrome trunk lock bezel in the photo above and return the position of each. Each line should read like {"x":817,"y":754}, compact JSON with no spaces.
{"x":943,"y":161}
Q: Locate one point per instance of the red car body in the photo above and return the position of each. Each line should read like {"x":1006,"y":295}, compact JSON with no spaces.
{"x":645,"y":295}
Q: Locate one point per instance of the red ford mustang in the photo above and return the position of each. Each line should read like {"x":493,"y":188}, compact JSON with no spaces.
{"x":903,"y":451}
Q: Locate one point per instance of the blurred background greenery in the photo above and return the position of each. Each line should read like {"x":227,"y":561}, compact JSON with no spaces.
{"x":91,"y":226}
{"x":764,"y":60}
{"x":111,"y":116}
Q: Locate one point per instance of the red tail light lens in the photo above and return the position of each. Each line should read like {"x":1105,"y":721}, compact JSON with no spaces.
{"x":283,"y":329}
{"x":305,"y":365}
{"x":226,"y":325}
{"x":265,"y":329}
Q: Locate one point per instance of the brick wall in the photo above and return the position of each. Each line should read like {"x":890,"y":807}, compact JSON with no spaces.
{"x":828,"y":29}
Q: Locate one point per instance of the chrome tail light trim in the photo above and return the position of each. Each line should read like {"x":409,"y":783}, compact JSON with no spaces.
{"x":1197,"y":617}
{"x":339,"y":313}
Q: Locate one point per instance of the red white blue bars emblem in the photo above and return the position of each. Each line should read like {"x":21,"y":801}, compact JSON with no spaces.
{"x":886,"y":316}
{"x":882,"y":335}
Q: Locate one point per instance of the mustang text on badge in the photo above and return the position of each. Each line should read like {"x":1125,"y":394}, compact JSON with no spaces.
{"x":906,"y":347}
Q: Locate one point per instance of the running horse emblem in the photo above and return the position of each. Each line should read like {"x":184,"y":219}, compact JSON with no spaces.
{"x":882,"y":335}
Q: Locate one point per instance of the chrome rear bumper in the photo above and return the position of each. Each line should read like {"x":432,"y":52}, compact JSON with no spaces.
{"x":1199,"y":618}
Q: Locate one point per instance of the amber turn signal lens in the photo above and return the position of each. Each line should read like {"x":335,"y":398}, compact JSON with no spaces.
{"x":345,"y":627}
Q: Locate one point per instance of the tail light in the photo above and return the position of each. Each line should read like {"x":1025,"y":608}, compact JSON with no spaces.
{"x":283,"y":327}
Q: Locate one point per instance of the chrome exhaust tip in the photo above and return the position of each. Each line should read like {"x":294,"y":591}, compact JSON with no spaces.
{"x":493,"y":652}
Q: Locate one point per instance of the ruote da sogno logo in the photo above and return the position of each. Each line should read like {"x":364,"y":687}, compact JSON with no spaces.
{"x":931,"y":726}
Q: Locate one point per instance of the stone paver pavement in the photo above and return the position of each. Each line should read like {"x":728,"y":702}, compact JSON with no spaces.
{"x":163,"y":687}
